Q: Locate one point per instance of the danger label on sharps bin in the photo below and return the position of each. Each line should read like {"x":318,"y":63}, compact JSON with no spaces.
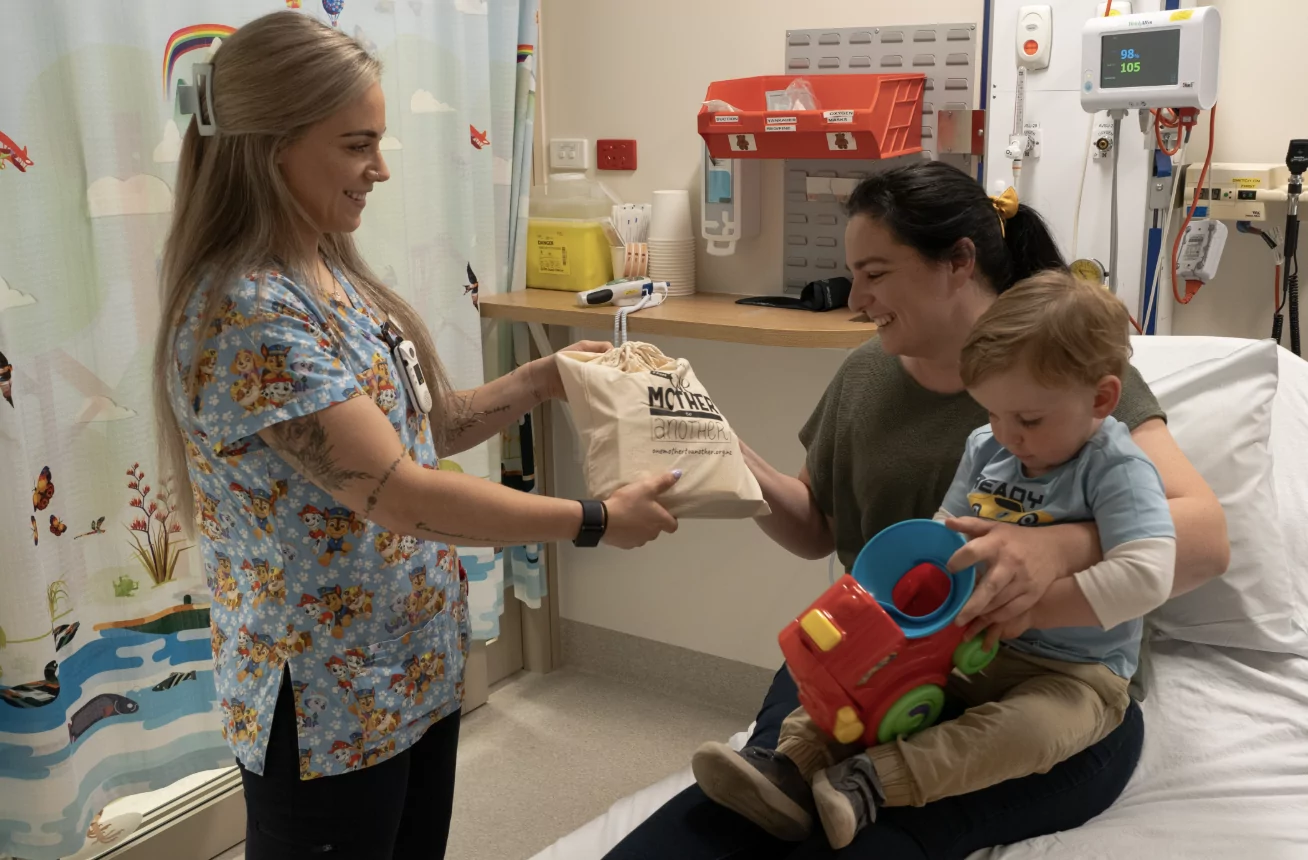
{"x":678,"y":414}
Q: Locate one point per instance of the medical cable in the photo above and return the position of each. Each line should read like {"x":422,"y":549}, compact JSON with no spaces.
{"x":652,"y":299}
{"x":1192,"y":287}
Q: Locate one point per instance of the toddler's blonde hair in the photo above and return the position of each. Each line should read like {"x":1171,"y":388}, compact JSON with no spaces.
{"x":1064,"y":330}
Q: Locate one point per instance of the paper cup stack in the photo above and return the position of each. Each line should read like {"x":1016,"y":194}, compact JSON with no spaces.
{"x":672,"y":242}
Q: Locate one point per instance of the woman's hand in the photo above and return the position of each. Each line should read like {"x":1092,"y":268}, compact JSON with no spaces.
{"x":1021,"y":563}
{"x":545,"y":371}
{"x":635,"y":515}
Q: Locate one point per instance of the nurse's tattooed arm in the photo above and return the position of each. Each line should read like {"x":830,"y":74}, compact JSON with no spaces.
{"x":471,"y":417}
{"x":351,"y":452}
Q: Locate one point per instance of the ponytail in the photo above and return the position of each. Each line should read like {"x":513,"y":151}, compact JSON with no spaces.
{"x":930,"y":206}
{"x":1031,"y":247}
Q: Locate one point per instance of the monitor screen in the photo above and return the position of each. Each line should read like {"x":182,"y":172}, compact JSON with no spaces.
{"x":1145,"y":58}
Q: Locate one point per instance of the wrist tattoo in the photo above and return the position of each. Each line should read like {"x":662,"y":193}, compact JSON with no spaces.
{"x":305,"y":441}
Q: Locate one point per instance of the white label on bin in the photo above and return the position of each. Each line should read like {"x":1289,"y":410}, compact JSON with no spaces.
{"x":782,"y":120}
{"x":838,"y":115}
{"x":730,"y":118}
{"x":841,"y":141}
{"x":780,"y":128}
{"x":742,"y":143}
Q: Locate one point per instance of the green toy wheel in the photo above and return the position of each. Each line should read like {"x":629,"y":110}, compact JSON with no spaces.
{"x":971,"y":656}
{"x":916,"y":710}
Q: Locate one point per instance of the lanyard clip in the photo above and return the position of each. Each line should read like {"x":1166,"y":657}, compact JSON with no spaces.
{"x":391,"y":335}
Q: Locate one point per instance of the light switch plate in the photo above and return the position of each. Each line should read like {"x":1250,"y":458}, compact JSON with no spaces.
{"x":569,"y":154}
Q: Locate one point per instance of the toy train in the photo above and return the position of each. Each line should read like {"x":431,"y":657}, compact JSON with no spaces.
{"x":871,"y":655}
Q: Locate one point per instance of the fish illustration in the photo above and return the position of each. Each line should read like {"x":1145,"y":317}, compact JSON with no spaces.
{"x":35,"y":694}
{"x":101,"y":707}
{"x":479,"y":138}
{"x":64,"y":633}
{"x":173,"y":680}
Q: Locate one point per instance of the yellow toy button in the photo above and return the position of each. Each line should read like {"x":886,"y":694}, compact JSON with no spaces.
{"x":847,"y":728}
{"x":821,"y":629}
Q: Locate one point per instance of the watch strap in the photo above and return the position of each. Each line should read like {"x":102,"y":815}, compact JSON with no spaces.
{"x":594,"y":522}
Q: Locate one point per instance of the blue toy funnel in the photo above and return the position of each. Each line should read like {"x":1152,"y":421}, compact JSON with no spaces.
{"x":896,"y":550}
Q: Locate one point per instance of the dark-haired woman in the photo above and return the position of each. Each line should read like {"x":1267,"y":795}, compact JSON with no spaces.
{"x":929,"y":252}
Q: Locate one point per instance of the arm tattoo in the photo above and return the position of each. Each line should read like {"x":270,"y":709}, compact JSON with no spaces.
{"x":461,"y":418}
{"x":442,"y":533}
{"x":376,"y":491}
{"x":305,"y":440}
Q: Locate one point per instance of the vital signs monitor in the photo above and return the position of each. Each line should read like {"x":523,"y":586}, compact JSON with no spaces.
{"x":1151,"y":60}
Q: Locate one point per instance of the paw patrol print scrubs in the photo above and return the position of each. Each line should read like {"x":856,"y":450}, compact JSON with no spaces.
{"x":372,"y":625}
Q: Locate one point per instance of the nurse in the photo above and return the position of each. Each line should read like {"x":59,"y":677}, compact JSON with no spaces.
{"x":307,"y":405}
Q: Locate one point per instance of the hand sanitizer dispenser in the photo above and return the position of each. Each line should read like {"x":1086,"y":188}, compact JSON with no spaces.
{"x":729,"y":202}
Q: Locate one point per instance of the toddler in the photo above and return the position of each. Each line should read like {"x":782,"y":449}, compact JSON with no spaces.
{"x":1046,"y":361}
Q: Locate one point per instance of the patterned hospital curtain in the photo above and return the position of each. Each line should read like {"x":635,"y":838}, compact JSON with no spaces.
{"x":521,"y":564}
{"x":106,"y":682}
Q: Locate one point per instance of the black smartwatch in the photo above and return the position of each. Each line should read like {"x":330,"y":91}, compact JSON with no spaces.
{"x":594,"y":522}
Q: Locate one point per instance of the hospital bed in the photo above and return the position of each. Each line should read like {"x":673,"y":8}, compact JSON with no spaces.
{"x":1224,"y":771}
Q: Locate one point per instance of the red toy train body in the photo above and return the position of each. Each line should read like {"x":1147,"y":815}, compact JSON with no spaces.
{"x":871,"y":670}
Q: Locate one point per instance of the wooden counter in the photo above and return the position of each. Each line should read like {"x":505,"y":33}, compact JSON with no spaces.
{"x":704,"y":316}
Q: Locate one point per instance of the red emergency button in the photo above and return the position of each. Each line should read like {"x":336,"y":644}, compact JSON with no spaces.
{"x":1031,"y":46}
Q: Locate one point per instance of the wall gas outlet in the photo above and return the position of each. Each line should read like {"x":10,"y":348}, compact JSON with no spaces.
{"x":1103,"y":139}
{"x":1034,"y":137}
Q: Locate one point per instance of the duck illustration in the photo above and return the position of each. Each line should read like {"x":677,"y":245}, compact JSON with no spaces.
{"x":36,"y":694}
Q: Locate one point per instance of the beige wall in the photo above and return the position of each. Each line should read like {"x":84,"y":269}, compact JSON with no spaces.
{"x":1262,"y":104}
{"x":617,"y":68}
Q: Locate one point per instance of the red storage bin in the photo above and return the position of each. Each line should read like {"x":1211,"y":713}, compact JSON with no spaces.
{"x":861,"y":116}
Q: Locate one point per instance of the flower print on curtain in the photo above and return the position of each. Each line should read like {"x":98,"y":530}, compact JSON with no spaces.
{"x":106,"y":680}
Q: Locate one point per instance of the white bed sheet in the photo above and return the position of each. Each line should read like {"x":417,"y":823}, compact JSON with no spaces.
{"x":1224,"y":771}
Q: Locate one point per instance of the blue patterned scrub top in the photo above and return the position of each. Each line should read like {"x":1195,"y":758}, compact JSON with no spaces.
{"x":373,"y":625}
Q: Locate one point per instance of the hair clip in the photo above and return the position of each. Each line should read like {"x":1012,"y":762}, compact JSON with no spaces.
{"x":188,"y":95}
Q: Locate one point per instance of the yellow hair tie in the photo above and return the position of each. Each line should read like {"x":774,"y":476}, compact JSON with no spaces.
{"x":1005,"y":206}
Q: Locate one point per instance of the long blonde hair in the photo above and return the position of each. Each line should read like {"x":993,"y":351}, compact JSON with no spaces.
{"x":234,"y":214}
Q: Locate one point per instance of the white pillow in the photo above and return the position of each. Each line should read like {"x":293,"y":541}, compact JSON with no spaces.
{"x":1218,"y":395}
{"x":1289,"y":437}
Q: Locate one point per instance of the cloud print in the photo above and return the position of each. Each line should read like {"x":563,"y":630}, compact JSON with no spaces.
{"x":11,"y":298}
{"x":100,"y":408}
{"x":502,"y":171}
{"x":424,"y":102}
{"x":390,"y":142}
{"x":169,"y":149}
{"x":142,"y":194}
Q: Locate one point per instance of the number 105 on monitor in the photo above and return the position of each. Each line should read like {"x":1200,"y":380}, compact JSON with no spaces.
{"x":1151,"y":60}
